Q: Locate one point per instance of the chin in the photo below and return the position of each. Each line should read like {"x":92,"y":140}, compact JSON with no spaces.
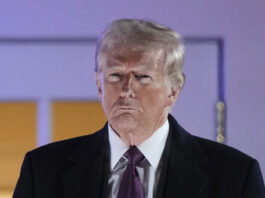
{"x":125,"y":122}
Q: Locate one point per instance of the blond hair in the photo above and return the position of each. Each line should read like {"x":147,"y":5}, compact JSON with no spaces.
{"x":144,"y":36}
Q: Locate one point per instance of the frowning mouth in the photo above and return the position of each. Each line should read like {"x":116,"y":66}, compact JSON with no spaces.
{"x":127,"y":108}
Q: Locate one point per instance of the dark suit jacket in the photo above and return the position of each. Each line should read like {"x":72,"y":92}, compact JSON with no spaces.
{"x":192,"y":168}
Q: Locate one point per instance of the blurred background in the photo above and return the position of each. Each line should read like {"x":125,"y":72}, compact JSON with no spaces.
{"x":47,"y":89}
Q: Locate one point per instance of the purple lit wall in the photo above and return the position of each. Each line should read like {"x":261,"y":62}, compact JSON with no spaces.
{"x":239,"y":23}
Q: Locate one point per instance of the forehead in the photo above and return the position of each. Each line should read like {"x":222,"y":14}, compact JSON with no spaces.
{"x":149,"y":59}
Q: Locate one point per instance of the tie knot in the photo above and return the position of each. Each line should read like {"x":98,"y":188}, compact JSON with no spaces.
{"x":134,"y":155}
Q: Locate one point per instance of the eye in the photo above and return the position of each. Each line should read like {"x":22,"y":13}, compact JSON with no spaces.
{"x":114,"y":77}
{"x":143,"y":78}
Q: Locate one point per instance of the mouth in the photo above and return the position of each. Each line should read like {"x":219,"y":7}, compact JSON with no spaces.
{"x":126,"y":108}
{"x":127,"y":105}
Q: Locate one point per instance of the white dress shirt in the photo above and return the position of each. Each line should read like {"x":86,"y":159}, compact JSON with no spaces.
{"x":152,"y":149}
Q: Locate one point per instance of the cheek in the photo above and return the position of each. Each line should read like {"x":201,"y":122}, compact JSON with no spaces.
{"x":151,"y":98}
{"x":109,"y":89}
{"x":110,"y":94}
{"x":155,"y":97}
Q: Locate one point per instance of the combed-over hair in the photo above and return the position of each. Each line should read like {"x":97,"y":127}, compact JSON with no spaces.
{"x":144,"y":36}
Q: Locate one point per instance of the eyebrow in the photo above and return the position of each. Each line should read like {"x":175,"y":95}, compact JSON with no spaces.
{"x":111,"y":67}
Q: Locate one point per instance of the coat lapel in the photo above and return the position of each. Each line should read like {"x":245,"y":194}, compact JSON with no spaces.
{"x":181,"y":174}
{"x":88,"y":172}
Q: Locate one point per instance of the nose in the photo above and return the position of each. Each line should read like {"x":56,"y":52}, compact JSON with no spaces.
{"x":128,"y":88}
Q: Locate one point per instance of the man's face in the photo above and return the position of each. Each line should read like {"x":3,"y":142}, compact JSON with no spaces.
{"x":135,"y":94}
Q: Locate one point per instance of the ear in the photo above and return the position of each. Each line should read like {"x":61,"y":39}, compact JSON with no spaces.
{"x":173,"y":95}
{"x":99,"y":85}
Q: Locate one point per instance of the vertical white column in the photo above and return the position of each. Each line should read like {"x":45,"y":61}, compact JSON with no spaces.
{"x":44,"y":124}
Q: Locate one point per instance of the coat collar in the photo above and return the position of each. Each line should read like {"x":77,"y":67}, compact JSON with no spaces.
{"x":88,"y":168}
{"x":182,"y":175}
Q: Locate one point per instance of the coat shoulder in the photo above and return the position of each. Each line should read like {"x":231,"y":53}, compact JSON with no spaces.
{"x":223,"y":155}
{"x":59,"y":150}
{"x":216,"y":153}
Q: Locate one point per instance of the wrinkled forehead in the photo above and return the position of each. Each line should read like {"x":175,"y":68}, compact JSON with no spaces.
{"x":154,"y":57}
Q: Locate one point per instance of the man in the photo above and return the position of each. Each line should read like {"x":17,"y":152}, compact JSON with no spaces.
{"x":141,"y":151}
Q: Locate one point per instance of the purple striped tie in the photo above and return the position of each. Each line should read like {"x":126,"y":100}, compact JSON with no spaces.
{"x":130,"y":186}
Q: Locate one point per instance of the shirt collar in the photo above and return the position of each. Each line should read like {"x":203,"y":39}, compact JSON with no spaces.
{"x":117,"y":147}
{"x":151,"y":148}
